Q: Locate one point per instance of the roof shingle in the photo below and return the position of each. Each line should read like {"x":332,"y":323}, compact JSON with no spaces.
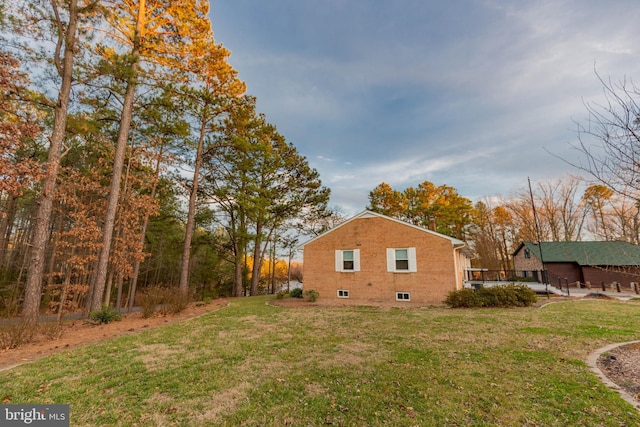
{"x":587,"y":253}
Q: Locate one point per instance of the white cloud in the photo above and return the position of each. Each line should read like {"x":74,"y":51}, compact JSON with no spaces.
{"x":470,"y":99}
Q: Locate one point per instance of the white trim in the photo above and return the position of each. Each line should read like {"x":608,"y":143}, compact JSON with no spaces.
{"x":391,"y":259}
{"x":356,"y":260}
{"x":407,"y":294}
{"x":345,"y":293}
{"x":413,"y":264}
{"x":412,"y":260}
{"x":339,"y":260}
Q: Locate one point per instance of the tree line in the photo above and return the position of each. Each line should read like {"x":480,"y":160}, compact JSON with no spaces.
{"x":131,"y":156}
{"x":568,"y":209}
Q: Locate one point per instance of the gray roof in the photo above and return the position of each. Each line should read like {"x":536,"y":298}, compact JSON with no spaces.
{"x":586,"y":253}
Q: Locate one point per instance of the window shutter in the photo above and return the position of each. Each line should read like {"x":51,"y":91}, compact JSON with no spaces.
{"x":338,"y":260}
{"x":391,"y":259}
{"x":413,"y":267}
{"x":356,"y":260}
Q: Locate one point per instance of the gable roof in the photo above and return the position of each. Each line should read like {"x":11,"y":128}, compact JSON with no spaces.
{"x":586,"y":253}
{"x":369,"y":214}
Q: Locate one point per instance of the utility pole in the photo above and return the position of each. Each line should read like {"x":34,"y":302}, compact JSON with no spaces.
{"x":535,"y":220}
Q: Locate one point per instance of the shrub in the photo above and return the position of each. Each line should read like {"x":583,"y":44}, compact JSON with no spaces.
{"x":525,"y":295}
{"x":311,"y":295}
{"x":464,"y":298}
{"x":105,"y":315}
{"x":51,"y":330}
{"x":165,"y":300}
{"x":150,"y":299}
{"x":296,"y":293}
{"x":496,"y":296}
{"x":174,"y":302}
{"x":281,"y":295}
{"x":15,"y":334}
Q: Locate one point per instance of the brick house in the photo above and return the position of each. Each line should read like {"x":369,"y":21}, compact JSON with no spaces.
{"x":372,"y":258}
{"x":592,"y":262}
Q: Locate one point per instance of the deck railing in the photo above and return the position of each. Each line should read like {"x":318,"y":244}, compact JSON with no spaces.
{"x":485,"y":275}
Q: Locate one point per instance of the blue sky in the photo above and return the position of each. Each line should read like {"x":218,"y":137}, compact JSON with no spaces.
{"x":471,"y":94}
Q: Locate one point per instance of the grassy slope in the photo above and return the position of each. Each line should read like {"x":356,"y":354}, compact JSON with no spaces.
{"x":252,"y":364}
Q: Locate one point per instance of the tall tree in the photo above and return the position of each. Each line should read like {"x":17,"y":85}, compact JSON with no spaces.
{"x":63,"y":58}
{"x":157,"y":33}
{"x":385,"y":200}
{"x":423,"y":204}
{"x":260,"y":182}
{"x":596,"y":197}
{"x":18,"y":148}
{"x":287,"y":187}
{"x":209,"y":94}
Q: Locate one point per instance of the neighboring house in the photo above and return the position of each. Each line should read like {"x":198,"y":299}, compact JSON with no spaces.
{"x":372,"y":258}
{"x":592,"y":262}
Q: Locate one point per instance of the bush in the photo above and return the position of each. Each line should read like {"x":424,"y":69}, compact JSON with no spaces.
{"x":311,"y":295}
{"x":165,"y":300}
{"x":150,"y":299}
{"x":464,"y":298}
{"x":51,"y":330}
{"x":105,"y":315}
{"x":496,"y":296}
{"x":296,"y":293}
{"x":281,"y":295}
{"x":15,"y":334}
{"x":174,"y":302}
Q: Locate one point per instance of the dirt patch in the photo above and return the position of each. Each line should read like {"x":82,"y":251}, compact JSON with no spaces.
{"x":622,"y":366}
{"x":77,"y":333}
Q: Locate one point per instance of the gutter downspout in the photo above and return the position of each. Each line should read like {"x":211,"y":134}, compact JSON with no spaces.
{"x":456,"y":255}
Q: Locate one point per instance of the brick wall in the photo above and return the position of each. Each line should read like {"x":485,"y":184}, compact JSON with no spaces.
{"x":624,"y":275}
{"x":521,"y":263}
{"x":434,"y":279}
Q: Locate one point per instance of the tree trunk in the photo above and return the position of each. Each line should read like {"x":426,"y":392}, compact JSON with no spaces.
{"x":188,"y":235}
{"x":6,"y":227}
{"x":257,"y":261}
{"x":108,"y":287}
{"x":118,"y":164}
{"x":119,"y":285}
{"x":33,"y":286}
{"x":145,"y":224}
{"x":63,"y":295}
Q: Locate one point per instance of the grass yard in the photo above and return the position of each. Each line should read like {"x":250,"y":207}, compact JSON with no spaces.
{"x":251,"y":364}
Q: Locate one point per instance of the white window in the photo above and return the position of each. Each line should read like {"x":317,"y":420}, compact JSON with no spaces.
{"x":348,"y":260}
{"x":342,"y":293}
{"x":403,"y":296}
{"x":401,"y":260}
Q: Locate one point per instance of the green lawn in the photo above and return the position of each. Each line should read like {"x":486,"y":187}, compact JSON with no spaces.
{"x":251,"y":364}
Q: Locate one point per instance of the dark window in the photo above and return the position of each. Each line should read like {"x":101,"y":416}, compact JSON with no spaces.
{"x":527,"y":253}
{"x":347,"y":260}
{"x":343,"y":293}
{"x":402,"y":259}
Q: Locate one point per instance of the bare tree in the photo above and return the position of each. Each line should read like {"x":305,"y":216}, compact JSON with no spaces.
{"x":609,"y":141}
